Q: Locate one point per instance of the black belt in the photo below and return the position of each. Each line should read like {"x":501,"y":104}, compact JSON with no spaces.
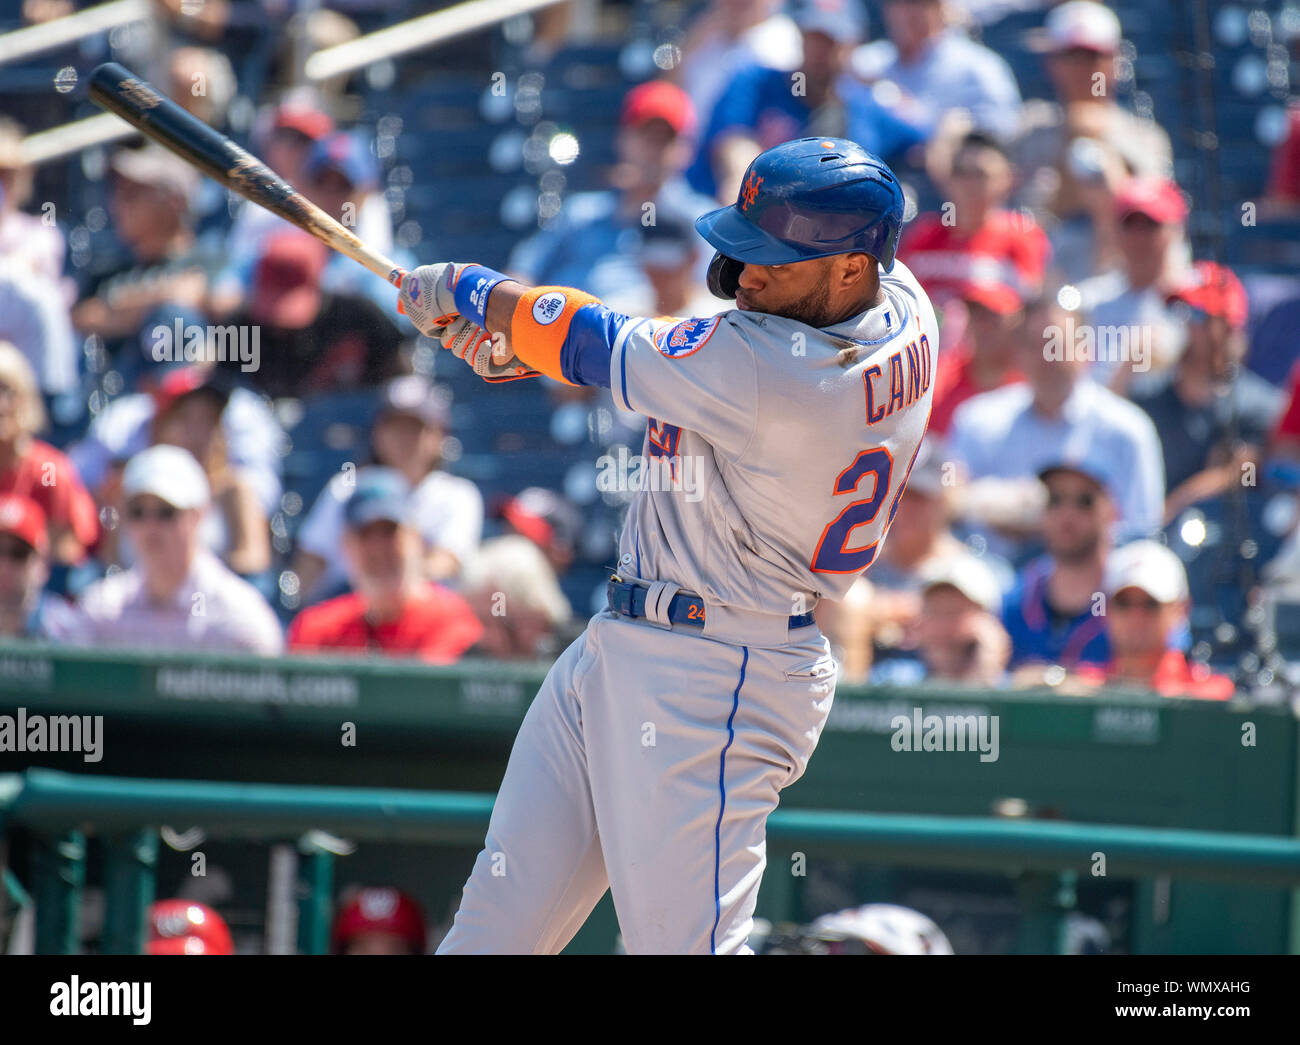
{"x":628,"y":599}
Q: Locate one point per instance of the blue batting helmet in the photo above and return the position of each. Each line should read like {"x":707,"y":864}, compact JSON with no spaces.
{"x":804,"y":199}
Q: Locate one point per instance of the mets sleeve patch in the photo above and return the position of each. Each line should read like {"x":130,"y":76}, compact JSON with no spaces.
{"x":686,"y":338}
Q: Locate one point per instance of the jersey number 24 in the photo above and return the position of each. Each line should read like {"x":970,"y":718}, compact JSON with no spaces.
{"x":833,"y":554}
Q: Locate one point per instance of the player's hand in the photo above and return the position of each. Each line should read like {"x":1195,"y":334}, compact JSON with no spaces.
{"x":426,"y":296}
{"x":489,"y":357}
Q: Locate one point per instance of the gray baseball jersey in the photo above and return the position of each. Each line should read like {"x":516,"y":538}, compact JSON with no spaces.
{"x":776,"y":452}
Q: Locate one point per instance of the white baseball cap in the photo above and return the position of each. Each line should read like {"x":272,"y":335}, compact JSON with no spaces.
{"x":1079,"y":23}
{"x":1150,"y":567}
{"x":968,"y":575}
{"x":170,"y":473}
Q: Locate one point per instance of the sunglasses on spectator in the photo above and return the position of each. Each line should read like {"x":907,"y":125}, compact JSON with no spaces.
{"x":1080,"y":54}
{"x":1135,"y":602}
{"x":16,"y":550}
{"x":1083,"y":501}
{"x":162,"y":513}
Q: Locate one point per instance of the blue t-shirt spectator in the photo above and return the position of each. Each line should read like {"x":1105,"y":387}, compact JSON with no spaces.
{"x":762,"y":102}
{"x":1039,"y":632}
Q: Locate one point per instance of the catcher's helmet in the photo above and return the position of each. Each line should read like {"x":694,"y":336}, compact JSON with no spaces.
{"x":805,"y":199}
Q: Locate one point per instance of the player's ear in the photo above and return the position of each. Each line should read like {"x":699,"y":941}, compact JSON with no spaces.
{"x":853,"y":269}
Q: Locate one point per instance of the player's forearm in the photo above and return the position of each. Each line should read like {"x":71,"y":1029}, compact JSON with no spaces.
{"x":562,"y":332}
{"x":501,"y":305}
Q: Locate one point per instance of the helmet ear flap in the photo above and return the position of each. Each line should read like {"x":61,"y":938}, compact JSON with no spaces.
{"x":724,"y":276}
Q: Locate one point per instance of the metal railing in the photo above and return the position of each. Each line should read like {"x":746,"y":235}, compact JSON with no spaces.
{"x":1047,"y":857}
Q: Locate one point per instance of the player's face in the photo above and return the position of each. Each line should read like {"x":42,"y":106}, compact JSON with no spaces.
{"x":800,"y":290}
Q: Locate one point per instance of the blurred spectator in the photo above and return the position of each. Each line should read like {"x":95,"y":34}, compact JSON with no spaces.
{"x":27,"y":611}
{"x":1005,"y":437}
{"x":35,"y":244}
{"x":513,"y":591}
{"x":392,"y":610}
{"x":177,"y":595}
{"x":959,"y":637}
{"x":285,"y":137}
{"x":547,"y":519}
{"x":596,"y":239}
{"x":187,"y":927}
{"x":1128,"y":307}
{"x":937,"y":69}
{"x":407,"y":437}
{"x":1213,"y":415}
{"x":1147,"y":604}
{"x":202,"y":82}
{"x":31,"y":468}
{"x":764,"y":106}
{"x":731,"y":35}
{"x":34,"y":317}
{"x":1283,"y":194}
{"x":1053,"y":614}
{"x":253,"y":440}
{"x":986,"y":357}
{"x":312,"y":341}
{"x":975,"y":239}
{"x":164,"y":273}
{"x":1073,"y":154}
{"x":190,"y":402}
{"x":342,"y":178}
{"x":670,"y":262}
{"x":378,"y":921}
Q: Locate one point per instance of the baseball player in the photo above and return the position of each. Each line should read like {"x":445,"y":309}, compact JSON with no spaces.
{"x":779,"y":441}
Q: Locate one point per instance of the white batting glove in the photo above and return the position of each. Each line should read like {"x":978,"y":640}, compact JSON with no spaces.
{"x":490,"y":358}
{"x":426,"y":296}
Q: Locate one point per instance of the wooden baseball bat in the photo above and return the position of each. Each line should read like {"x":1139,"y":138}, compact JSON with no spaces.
{"x":114,"y":88}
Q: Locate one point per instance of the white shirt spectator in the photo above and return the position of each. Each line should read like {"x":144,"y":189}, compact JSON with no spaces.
{"x":999,"y":434}
{"x":213,"y":610}
{"x":34,"y":317}
{"x":954,"y":72}
{"x":448,"y":511}
{"x":37,"y":247}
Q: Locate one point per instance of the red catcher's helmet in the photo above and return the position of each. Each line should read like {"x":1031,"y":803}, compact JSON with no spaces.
{"x":187,"y":927}
{"x":379,"y":910}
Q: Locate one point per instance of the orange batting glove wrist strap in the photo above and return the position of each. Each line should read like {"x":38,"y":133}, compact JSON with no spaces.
{"x":540,"y":326}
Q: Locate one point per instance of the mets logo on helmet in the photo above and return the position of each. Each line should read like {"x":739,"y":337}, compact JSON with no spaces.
{"x":686,"y":338}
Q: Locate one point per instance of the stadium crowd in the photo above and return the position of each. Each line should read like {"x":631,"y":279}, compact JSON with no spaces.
{"x":1094,"y":402}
